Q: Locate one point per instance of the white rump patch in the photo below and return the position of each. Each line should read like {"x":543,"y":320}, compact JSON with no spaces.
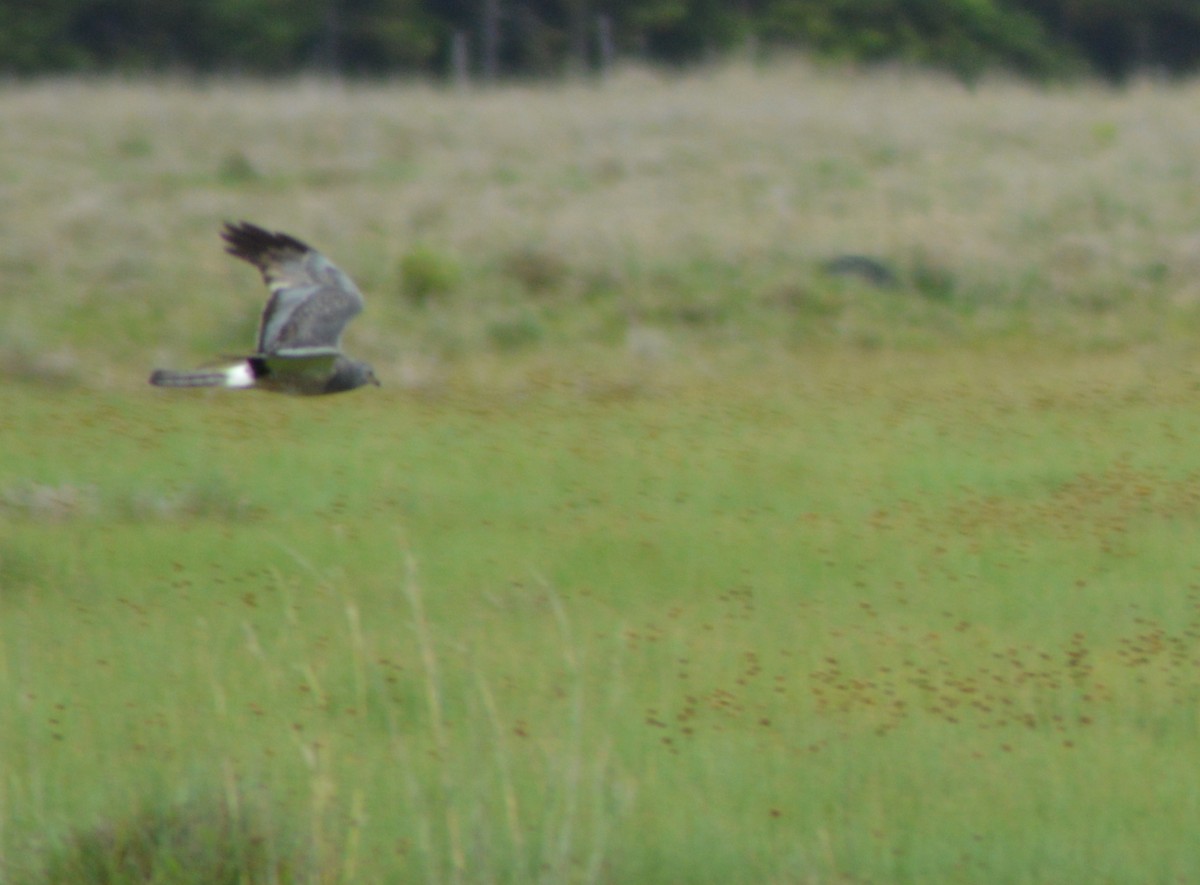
{"x":239,"y":376}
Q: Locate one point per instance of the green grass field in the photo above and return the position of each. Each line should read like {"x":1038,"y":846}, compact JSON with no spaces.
{"x":660,"y":556}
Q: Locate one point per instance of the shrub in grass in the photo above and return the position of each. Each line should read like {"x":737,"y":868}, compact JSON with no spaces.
{"x":204,"y":842}
{"x":135,"y":146}
{"x":933,"y":280}
{"x":27,"y":363}
{"x":516,"y":332}
{"x":236,"y":168}
{"x":20,"y":568}
{"x":809,"y":301}
{"x":536,"y":269}
{"x":427,"y":273}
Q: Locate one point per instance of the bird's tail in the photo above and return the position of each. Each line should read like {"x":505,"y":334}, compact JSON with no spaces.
{"x":240,"y":375}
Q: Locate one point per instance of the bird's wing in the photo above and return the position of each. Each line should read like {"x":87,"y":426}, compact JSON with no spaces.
{"x":311,"y":299}
{"x":312,"y":364}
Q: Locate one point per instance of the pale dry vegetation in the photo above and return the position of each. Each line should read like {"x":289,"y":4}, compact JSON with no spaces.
{"x":700,"y":206}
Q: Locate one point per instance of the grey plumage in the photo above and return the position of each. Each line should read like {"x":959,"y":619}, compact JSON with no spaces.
{"x":298,"y":350}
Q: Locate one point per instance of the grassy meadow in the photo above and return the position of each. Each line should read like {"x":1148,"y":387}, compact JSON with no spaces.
{"x":661,"y":555}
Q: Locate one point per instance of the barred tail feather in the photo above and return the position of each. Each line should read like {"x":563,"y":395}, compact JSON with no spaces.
{"x":240,"y":375}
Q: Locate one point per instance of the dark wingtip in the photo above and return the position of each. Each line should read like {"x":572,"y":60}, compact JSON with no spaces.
{"x":250,"y":242}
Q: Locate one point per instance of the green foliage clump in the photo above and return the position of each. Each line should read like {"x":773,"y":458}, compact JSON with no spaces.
{"x":200,"y":842}
{"x":537,"y":269}
{"x":516,"y":332}
{"x":932,"y":279}
{"x":964,"y":36}
{"x":427,"y":273}
{"x":1036,"y":37}
{"x":237,"y":169}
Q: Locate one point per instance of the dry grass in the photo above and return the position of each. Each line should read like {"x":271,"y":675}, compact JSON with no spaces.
{"x":700,"y":204}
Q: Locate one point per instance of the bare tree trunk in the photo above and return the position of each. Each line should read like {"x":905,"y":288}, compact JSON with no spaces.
{"x":328,"y":56}
{"x":460,"y":59}
{"x":491,"y":40}
{"x":605,"y":46}
{"x":577,"y":25}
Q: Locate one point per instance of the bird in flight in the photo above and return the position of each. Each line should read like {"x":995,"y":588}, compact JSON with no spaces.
{"x":299,"y":337}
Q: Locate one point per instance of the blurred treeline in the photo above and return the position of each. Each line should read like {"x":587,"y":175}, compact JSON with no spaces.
{"x":1043,"y":39}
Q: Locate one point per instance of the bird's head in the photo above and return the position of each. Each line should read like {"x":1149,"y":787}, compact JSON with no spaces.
{"x":350,"y":374}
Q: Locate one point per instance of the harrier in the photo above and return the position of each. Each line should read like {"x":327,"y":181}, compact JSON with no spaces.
{"x":299,"y":336}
